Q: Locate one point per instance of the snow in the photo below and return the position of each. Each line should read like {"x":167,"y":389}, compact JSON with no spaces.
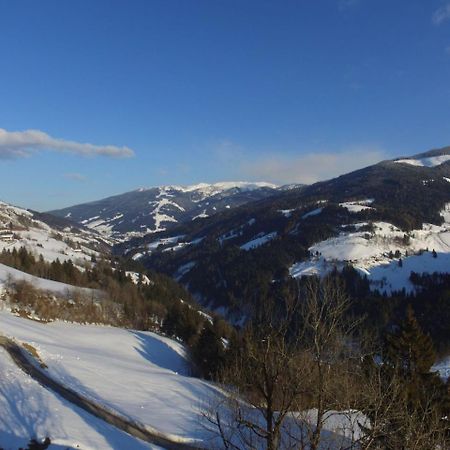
{"x":369,"y":252}
{"x":286,"y":212}
{"x":160,"y":217}
{"x":391,"y":277}
{"x":139,"y":375}
{"x":230,"y":235}
{"x":357,"y":206}
{"x":258,"y":241}
{"x":7,"y":272}
{"x":314,"y":212}
{"x":164,"y":241}
{"x":431,"y":161}
{"x":339,"y":427}
{"x":135,"y":276}
{"x":39,"y":238}
{"x":236,"y":232}
{"x":443,"y":368}
{"x":215,"y":188}
{"x":184,"y":269}
{"x":201,"y":215}
{"x":176,"y":247}
{"x":310,"y":267}
{"x":28,"y":410}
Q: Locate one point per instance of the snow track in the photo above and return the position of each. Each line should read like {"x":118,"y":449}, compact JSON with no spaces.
{"x":134,"y":429}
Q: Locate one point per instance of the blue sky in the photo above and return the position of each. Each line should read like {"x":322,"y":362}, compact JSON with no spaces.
{"x":189,"y":91}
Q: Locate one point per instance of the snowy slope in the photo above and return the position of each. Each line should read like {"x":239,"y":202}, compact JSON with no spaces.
{"x":23,"y":228}
{"x":370,"y":252}
{"x":28,"y":410}
{"x":431,"y":161}
{"x":7,"y":273}
{"x":140,"y":375}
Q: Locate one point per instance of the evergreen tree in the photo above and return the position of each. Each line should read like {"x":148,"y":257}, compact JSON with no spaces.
{"x":409,"y":349}
{"x":208,"y":352}
{"x":422,"y":395}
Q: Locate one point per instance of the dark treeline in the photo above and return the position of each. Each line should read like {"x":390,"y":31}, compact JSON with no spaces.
{"x":144,"y":305}
{"x":160,"y":304}
{"x":309,"y":346}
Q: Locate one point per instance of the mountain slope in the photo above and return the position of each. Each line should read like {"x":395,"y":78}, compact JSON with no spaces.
{"x":151,"y":210}
{"x":147,"y":383}
{"x":369,"y":218}
{"x":52,"y":237}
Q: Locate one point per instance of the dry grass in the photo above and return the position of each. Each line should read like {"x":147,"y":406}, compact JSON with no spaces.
{"x":34,"y":353}
{"x":77,"y":306}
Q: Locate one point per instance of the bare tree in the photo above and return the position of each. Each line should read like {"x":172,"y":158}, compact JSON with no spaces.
{"x":295,"y":357}
{"x":327,"y":339}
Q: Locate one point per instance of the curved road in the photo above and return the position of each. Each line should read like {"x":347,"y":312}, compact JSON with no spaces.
{"x":22,"y":361}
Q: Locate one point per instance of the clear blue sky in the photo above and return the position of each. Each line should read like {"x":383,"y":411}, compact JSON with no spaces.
{"x":214,"y":90}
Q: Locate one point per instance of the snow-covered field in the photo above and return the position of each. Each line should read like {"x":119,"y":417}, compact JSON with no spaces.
{"x":28,"y":410}
{"x":371,"y":252}
{"x":139,"y":375}
{"x":258,"y":241}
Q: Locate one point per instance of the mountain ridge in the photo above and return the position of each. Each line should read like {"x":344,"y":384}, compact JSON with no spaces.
{"x":150,"y":210}
{"x":244,"y":249}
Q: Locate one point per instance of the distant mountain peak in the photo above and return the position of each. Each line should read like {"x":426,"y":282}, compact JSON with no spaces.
{"x":154,"y":209}
{"x":213,"y":187}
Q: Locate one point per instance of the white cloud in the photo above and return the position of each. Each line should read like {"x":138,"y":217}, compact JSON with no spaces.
{"x":310,"y":167}
{"x":75,"y":176}
{"x":20,"y":144}
{"x":442,"y":14}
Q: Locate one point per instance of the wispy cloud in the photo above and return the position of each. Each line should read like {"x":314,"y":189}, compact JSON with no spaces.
{"x":75,"y":176}
{"x":442,"y":14}
{"x":20,"y":144}
{"x":310,"y":167}
{"x":346,"y":4}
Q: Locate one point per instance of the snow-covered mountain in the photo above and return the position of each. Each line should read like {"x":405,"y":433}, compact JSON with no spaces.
{"x":385,"y":220}
{"x":150,"y":210}
{"x":49,"y":236}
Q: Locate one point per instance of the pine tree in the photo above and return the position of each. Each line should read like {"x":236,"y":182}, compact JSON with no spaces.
{"x":208,"y":352}
{"x":422,"y":397}
{"x":409,"y":349}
